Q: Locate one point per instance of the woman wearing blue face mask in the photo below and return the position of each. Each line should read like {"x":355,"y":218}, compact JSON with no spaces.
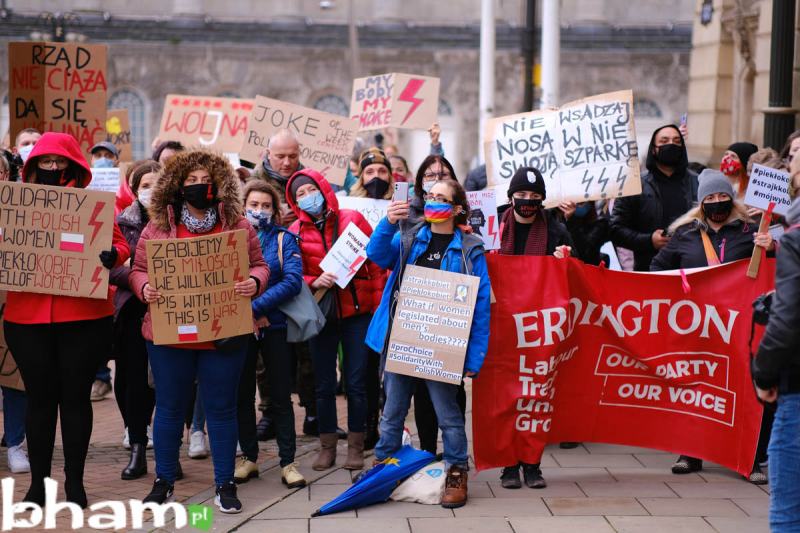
{"x":348,"y":312}
{"x":282,"y":255}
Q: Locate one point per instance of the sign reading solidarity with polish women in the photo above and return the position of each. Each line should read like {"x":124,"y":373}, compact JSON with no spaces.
{"x":51,"y":239}
{"x":395,"y":100}
{"x":205,"y":121}
{"x":196,"y":278}
{"x":586,"y":150}
{"x":581,"y":353}
{"x":326,"y":140}
{"x":59,"y":87}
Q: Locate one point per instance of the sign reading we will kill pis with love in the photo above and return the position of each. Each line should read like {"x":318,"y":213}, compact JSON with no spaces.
{"x":395,"y":100}
{"x":51,"y":239}
{"x":196,"y":279}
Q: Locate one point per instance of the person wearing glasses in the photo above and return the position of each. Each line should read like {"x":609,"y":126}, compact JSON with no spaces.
{"x":438,"y":242}
{"x":58,"y":341}
{"x":433,"y":168}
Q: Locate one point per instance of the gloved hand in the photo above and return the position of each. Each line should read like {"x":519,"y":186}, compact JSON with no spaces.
{"x":109,"y":257}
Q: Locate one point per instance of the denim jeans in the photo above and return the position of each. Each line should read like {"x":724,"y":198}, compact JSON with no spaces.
{"x":351,"y":332}
{"x":14,"y":405}
{"x":198,"y":413}
{"x":279,"y":372}
{"x":399,"y":389}
{"x":217,"y":373}
{"x":784,"y":466}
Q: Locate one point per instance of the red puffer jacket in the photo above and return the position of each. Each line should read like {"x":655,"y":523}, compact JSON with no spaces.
{"x":363,"y":294}
{"x":34,"y":308}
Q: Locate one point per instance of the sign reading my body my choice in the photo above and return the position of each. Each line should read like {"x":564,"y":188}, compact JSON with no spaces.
{"x":196,"y":279}
{"x":51,"y":239}
{"x":431,"y":327}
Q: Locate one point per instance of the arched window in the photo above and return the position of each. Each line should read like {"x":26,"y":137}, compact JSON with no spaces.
{"x":330,"y":103}
{"x":130,"y":100}
{"x":444,"y":109}
{"x":646,"y":108}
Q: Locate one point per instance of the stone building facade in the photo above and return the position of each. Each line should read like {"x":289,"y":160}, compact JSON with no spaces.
{"x":298,"y":51}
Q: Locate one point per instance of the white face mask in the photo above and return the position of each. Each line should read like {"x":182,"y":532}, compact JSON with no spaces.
{"x":145,"y":197}
{"x":25,"y":152}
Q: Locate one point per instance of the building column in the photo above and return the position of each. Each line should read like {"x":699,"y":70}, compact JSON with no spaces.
{"x":779,"y":117}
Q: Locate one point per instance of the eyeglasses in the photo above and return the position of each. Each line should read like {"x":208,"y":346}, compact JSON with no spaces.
{"x":48,"y":162}
{"x":437,"y":198}
{"x":436,"y":175}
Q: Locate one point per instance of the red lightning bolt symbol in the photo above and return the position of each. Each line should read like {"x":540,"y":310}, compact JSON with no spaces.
{"x":414,"y":85}
{"x":356,"y":264}
{"x":231,"y":240}
{"x":492,"y":231}
{"x":215,"y":327}
{"x":98,"y":207}
{"x":96,"y":279}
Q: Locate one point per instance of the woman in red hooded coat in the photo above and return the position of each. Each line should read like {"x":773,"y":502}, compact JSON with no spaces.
{"x":59,"y":341}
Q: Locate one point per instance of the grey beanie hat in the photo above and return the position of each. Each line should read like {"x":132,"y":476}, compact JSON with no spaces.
{"x":713,"y":181}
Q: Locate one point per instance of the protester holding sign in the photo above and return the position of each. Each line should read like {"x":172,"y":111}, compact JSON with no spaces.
{"x":375,"y":178}
{"x":197,"y":195}
{"x":135,"y":398}
{"x":669,"y":189}
{"x":282,"y":255}
{"x":282,"y":160}
{"x":715,"y":232}
{"x":58,"y":341}
{"x":432,"y":169}
{"x":438,"y":242}
{"x":348,"y":311}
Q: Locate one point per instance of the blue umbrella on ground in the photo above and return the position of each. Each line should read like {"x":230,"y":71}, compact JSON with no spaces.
{"x":378,"y":483}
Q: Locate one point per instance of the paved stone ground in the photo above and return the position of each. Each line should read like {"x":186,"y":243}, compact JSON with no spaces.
{"x":594,"y":488}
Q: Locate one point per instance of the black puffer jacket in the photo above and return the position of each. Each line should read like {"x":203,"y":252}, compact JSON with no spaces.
{"x":635,"y":218}
{"x":131,"y":223}
{"x":778,"y":360}
{"x":589,"y":235}
{"x":732,"y":242}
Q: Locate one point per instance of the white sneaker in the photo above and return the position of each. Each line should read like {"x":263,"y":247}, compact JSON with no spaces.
{"x":18,"y":460}
{"x":126,"y":440}
{"x":197,"y":445}
{"x":149,"y":437}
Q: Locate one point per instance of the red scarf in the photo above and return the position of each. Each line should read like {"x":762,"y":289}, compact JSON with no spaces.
{"x":537,"y":237}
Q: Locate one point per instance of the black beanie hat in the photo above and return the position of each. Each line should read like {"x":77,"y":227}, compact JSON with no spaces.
{"x":299,"y":181}
{"x":373,"y":156}
{"x":744,"y":151}
{"x":527,"y":179}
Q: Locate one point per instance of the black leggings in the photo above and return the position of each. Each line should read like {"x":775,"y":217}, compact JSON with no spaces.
{"x":58,"y":363}
{"x":425,"y":415}
{"x":134,"y":396}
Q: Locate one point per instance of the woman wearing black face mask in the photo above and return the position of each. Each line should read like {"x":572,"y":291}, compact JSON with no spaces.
{"x":375,"y":178}
{"x":528,"y":229}
{"x":717,"y":231}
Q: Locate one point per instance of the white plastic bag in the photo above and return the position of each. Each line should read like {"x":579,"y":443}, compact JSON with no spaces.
{"x":425,"y":486}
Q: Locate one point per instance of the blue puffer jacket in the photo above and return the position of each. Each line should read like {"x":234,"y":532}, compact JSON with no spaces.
{"x":284,"y":284}
{"x":384,"y":250}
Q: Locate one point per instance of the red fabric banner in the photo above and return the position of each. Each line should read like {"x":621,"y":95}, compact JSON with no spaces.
{"x":581,"y":353}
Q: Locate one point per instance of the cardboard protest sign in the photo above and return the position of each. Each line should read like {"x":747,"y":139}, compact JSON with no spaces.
{"x":430,"y":332}
{"x":618,"y":357}
{"x":51,"y":239}
{"x":347,"y":255}
{"x":9,"y":373}
{"x":196,"y":278}
{"x":373,"y":210}
{"x":326,"y":140}
{"x":58,"y":87}
{"x":105,"y":179}
{"x":586,"y":150}
{"x":395,"y":100}
{"x":483,"y":217}
{"x":118,"y":132}
{"x":768,"y":185}
{"x":205,"y":121}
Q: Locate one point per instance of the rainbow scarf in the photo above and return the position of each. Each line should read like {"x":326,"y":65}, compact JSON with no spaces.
{"x":437,"y":212}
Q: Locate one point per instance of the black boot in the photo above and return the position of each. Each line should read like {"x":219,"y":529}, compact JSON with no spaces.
{"x":35,"y":493}
{"x":509,"y":478}
{"x":75,"y":492}
{"x":137,"y":466}
{"x":372,"y":436}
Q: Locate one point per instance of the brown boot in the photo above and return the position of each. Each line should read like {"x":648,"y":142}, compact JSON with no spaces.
{"x":327,"y":451}
{"x":355,"y":451}
{"x":455,"y":488}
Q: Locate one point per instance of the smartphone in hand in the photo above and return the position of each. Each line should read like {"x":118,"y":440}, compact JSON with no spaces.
{"x":400,"y":191}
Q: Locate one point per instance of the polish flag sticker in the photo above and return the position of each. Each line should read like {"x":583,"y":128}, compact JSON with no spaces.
{"x":71,"y":242}
{"x":187,"y":333}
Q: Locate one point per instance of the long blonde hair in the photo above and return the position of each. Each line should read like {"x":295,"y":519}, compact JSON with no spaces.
{"x":739,"y":212}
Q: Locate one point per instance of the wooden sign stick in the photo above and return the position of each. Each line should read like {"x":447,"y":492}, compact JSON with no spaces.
{"x":758,"y":252}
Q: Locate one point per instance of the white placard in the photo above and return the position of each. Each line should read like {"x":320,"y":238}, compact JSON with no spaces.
{"x":483,"y":217}
{"x":347,"y":255}
{"x":768,"y":185}
{"x":373,"y":210}
{"x":105,"y":179}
